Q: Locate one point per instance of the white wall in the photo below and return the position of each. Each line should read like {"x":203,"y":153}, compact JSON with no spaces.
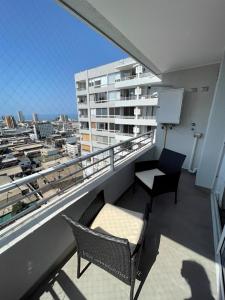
{"x":196,"y":107}
{"x":215,"y":135}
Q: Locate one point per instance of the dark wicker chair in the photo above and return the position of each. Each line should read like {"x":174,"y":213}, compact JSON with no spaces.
{"x":114,"y":254}
{"x":160,"y":176}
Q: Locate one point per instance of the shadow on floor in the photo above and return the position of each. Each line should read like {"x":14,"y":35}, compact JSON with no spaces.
{"x":197,"y":279}
{"x":66,"y":284}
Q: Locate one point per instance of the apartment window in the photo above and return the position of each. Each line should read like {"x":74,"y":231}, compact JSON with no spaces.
{"x":102,"y":126}
{"x":98,"y":81}
{"x":113,"y":77}
{"x":84,"y":125}
{"x":83,"y":113}
{"x":128,"y":111}
{"x":81,"y":85}
{"x":114,"y":127}
{"x":128,"y":129}
{"x":114,"y":111}
{"x":101,"y":112}
{"x":98,"y":97}
{"x":128,"y":93}
{"x":82,"y":99}
{"x":114,"y":95}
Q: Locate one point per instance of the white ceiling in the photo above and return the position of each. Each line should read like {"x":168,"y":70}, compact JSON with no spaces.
{"x":168,"y":34}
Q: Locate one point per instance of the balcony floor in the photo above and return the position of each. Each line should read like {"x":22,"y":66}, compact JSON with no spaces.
{"x":177,"y":262}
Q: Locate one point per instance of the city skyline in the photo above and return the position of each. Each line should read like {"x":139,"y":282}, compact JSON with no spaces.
{"x":39,"y":75}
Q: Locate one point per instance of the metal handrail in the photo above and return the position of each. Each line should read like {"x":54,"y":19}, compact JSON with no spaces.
{"x":104,"y":160}
{"x":30,"y":178}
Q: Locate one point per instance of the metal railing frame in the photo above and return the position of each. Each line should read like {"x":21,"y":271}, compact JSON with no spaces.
{"x":111,"y":159}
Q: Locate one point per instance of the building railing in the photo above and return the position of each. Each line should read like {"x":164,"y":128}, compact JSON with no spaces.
{"x":130,"y":77}
{"x":82,"y":88}
{"x":125,"y":133}
{"x":147,"y":74}
{"x":43,"y":186}
{"x":133,"y":97}
{"x":125,"y":117}
{"x":83,"y":116}
{"x":147,"y":117}
{"x":141,"y":75}
{"x":149,"y":97}
{"x":84,"y":128}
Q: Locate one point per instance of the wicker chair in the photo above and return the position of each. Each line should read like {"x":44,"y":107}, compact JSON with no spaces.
{"x":119,"y":255}
{"x":160,"y":176}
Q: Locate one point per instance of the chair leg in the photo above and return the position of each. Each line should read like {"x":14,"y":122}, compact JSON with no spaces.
{"x":151,"y":203}
{"x":132,"y":289}
{"x":78,"y":266}
{"x":134,"y":186}
{"x":175,"y":201}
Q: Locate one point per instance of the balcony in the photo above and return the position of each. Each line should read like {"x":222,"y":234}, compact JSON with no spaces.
{"x":83,"y":118}
{"x":142,"y":100}
{"x":134,"y":80}
{"x":177,"y":260}
{"x":82,"y":104}
{"x":123,"y":136}
{"x":178,"y":251}
{"x":104,"y":132}
{"x":139,"y":120}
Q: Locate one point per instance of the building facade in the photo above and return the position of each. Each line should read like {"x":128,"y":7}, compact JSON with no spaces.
{"x":43,"y":130}
{"x":115,"y":102}
{"x":21,"y":116}
{"x":10,"y":122}
{"x":35,"y":117}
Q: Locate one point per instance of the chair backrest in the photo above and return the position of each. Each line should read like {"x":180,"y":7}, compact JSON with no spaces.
{"x":110,"y":253}
{"x":170,"y":161}
{"x":93,"y":209}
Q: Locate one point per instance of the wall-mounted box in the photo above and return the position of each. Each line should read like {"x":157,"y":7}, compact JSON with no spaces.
{"x":170,"y":103}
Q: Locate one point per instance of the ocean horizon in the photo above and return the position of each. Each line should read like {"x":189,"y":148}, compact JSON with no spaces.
{"x":48,"y":117}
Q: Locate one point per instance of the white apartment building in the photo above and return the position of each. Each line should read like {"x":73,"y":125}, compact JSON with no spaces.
{"x":115,"y":102}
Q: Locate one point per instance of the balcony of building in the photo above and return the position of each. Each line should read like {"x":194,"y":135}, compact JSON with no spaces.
{"x":136,"y":120}
{"x":82,"y":101}
{"x":81,"y":87}
{"x":177,"y":260}
{"x":84,"y":127}
{"x":137,"y":80}
{"x":178,"y":249}
{"x":184,"y":249}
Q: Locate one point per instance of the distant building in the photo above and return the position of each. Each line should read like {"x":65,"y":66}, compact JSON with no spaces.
{"x":49,"y":154}
{"x":43,"y":130}
{"x":35,"y":117}
{"x":63,"y":118}
{"x":10,"y":122}
{"x":115,"y":102}
{"x":72,"y":148}
{"x":21,"y":117}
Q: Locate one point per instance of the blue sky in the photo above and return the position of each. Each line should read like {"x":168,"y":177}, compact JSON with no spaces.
{"x":41,"y":47}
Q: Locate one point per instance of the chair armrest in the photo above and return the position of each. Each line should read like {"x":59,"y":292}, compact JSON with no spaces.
{"x":165,"y":183}
{"x":146,"y":165}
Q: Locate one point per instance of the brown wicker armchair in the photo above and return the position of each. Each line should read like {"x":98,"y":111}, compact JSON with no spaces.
{"x":107,"y":244}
